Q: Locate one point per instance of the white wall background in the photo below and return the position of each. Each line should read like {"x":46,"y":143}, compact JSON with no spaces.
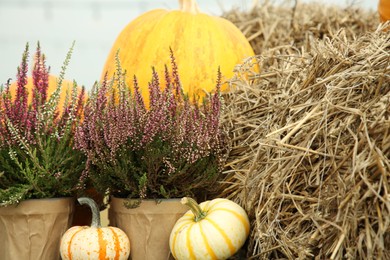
{"x":92,"y":24}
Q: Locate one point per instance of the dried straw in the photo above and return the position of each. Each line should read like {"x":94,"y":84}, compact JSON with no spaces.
{"x":311,"y":145}
{"x":268,"y":25}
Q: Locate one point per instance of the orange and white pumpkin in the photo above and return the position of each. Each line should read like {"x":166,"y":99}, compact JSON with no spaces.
{"x":214,"y":229}
{"x":94,"y":242}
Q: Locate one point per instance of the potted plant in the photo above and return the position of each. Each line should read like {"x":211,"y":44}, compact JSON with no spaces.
{"x":142,"y":154}
{"x":38,"y":163}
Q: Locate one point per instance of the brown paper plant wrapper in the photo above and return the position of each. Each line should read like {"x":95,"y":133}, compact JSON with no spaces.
{"x":32,"y":229}
{"x":147,"y":226}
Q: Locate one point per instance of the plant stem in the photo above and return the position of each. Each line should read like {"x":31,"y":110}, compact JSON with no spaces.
{"x":190,"y":6}
{"x":195,"y":208}
{"x":95,"y":210}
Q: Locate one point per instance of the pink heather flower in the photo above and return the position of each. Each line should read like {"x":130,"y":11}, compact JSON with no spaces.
{"x":176,"y":79}
{"x":124,"y":141}
{"x":19,"y":108}
{"x":28,"y":119}
{"x":139,"y":102}
{"x":41,"y":146}
{"x":40,"y":76}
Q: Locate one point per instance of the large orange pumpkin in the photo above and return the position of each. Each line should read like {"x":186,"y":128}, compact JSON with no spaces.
{"x":201,"y":43}
{"x":384,"y":10}
{"x":67,"y":86}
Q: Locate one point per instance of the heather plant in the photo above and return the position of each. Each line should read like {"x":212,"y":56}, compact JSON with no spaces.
{"x":172,"y":148}
{"x":37,"y":158}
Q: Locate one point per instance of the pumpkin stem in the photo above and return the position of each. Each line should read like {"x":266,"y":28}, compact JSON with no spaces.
{"x":195,"y":208}
{"x":190,"y":6}
{"x":95,"y":210}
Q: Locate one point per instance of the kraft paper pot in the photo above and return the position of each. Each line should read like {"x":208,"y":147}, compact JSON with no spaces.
{"x":147,"y":226}
{"x":32,"y":229}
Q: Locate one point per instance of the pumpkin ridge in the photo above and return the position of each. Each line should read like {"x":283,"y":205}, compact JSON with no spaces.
{"x":149,"y":52}
{"x":188,"y":243}
{"x":122,"y":43}
{"x":185,"y":218}
{"x":158,"y":31}
{"x":208,"y":209}
{"x":144,"y":39}
{"x":205,"y":207}
{"x":206,"y":242}
{"x":102,"y":245}
{"x":173,"y":245}
{"x":238,"y":216}
{"x":229,"y":243}
{"x":116,"y":243}
{"x":177,"y":231}
{"x":232,"y":32}
{"x":70,"y":243}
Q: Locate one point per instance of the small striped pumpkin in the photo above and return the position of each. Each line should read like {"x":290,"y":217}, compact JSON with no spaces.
{"x":94,"y":242}
{"x":214,"y":229}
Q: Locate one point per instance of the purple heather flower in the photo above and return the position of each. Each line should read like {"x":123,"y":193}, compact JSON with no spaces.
{"x":19,"y":108}
{"x":28,"y":119}
{"x":119,"y":134}
{"x":40,"y":76}
{"x":33,"y":140}
{"x":176,"y":79}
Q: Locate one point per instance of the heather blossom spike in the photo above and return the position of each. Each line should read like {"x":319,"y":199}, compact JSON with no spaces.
{"x":176,"y":79}
{"x":174,"y":145}
{"x":37,"y":158}
{"x":19,"y":107}
{"x":40,"y":76}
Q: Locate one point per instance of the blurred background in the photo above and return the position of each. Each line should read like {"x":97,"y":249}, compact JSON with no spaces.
{"x":92,"y":24}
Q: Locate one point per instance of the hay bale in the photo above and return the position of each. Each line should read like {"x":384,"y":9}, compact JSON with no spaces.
{"x":311,"y":146}
{"x":294,"y":23}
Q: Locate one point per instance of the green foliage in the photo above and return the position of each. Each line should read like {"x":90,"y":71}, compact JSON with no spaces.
{"x":37,"y":158}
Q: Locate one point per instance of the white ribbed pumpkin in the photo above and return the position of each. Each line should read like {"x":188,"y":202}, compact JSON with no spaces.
{"x":214,"y":229}
{"x":94,"y":242}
